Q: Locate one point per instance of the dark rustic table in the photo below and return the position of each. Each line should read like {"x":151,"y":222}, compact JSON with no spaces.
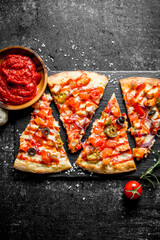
{"x":109,"y":36}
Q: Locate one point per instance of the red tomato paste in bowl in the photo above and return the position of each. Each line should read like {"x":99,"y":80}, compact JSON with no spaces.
{"x":18,"y":80}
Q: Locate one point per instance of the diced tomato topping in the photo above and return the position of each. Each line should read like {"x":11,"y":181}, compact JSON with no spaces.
{"x":49,"y":122}
{"x":108,"y":108}
{"x":84,"y":95}
{"x":138,"y":152}
{"x":139,"y":110}
{"x":72,"y":83}
{"x":104,"y":144}
{"x":130,"y":99}
{"x":139,"y":88}
{"x":24,"y":147}
{"x":98,"y":130}
{"x":84,"y":80}
{"x":21,"y":157}
{"x":107,"y":152}
{"x":116,"y":111}
{"x":114,"y":102}
{"x":42,"y":113}
{"x":101,"y":90}
{"x":106,"y":161}
{"x":94,"y":94}
{"x":39,"y":122}
{"x":78,"y":147}
{"x":133,"y":117}
{"x":157,"y":94}
{"x":71,"y":102}
{"x":122,"y":132}
{"x":46,"y":157}
{"x":54,"y":159}
{"x":96,"y":141}
{"x":36,"y":105}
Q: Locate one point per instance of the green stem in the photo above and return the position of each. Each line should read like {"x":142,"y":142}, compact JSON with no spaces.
{"x":149,"y":172}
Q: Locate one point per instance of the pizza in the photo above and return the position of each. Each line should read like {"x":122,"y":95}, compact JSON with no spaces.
{"x":41,"y":148}
{"x":107,"y":150}
{"x":77,"y":95}
{"x":142,"y":99}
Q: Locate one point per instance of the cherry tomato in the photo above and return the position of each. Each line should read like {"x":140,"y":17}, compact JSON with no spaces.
{"x":133,"y":190}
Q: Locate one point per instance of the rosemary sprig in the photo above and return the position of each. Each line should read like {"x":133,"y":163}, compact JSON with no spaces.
{"x":149,"y":173}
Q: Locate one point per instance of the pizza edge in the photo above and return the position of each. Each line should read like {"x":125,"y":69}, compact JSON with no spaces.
{"x":127,"y":82}
{"x":62,"y":77}
{"x":27,"y":166}
{"x":100,"y":168}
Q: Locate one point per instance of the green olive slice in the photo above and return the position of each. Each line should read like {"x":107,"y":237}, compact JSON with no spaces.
{"x":108,"y":121}
{"x":58,"y":141}
{"x":110,"y":131}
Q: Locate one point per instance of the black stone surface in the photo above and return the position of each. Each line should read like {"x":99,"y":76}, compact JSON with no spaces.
{"x":120,"y":35}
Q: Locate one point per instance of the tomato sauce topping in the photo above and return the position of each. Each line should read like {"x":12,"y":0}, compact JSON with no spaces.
{"x":19,"y":80}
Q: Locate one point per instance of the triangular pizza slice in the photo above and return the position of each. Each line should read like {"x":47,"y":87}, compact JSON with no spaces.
{"x":41,"y":148}
{"x":107,"y":150}
{"x":77,"y":95}
{"x":142,"y":99}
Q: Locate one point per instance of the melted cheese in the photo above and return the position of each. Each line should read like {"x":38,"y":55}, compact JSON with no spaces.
{"x":125,"y":156}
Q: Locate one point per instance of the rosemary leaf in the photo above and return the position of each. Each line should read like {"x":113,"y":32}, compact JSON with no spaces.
{"x":147,"y":178}
{"x":149,"y":173}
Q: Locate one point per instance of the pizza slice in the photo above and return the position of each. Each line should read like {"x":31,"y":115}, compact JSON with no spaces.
{"x":41,"y":148}
{"x":142,"y":99}
{"x":77,"y":95}
{"x":107,"y":150}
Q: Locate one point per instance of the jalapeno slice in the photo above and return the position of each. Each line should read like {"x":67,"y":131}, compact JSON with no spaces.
{"x":108,"y":121}
{"x":95,"y":156}
{"x":158,"y":103}
{"x":120,"y":120}
{"x":58,"y":141}
{"x":110,"y":131}
{"x":61,"y":98}
{"x":31,"y":152}
{"x":46,"y":131}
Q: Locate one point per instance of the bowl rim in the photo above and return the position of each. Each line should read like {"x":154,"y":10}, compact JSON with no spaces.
{"x":41,"y":91}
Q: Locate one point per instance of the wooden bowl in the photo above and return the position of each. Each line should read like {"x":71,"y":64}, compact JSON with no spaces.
{"x":40,"y":68}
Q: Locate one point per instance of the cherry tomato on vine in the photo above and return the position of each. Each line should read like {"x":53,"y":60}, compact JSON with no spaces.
{"x":133,"y":190}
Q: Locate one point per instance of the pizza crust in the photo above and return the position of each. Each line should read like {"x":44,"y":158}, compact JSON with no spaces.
{"x":128,"y":82}
{"x":97,"y":80}
{"x":102,"y":169}
{"x":33,"y":167}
